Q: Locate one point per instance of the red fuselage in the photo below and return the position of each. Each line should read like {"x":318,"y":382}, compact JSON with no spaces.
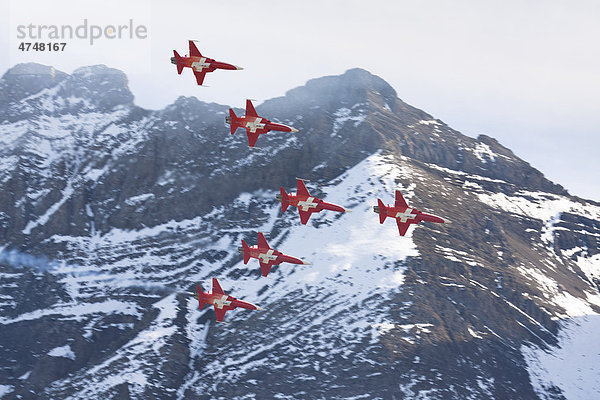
{"x":403,"y":214}
{"x":226,"y":302}
{"x":202,"y":64}
{"x":271,"y":256}
{"x":408,"y":214}
{"x":304,"y":202}
{"x":311,"y":203}
{"x":260,"y":125}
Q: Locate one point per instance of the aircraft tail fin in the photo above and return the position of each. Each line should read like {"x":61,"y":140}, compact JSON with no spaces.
{"x":201,"y":297}
{"x":179,"y":62}
{"x":285,"y":201}
{"x":382,"y":214}
{"x":234,"y":121}
{"x":246,"y":251}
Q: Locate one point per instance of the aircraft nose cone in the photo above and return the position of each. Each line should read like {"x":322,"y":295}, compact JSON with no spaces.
{"x":294,"y":129}
{"x":238,"y":68}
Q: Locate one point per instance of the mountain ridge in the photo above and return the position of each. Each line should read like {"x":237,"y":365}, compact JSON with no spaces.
{"x":137,"y":205}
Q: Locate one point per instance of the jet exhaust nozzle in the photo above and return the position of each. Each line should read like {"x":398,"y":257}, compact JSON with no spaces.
{"x":278,"y":197}
{"x":228,"y":120}
{"x":376,"y":209}
{"x":173,"y":60}
{"x":241,"y":250}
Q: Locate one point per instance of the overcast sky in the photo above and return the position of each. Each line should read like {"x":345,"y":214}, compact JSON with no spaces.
{"x":526,"y":73}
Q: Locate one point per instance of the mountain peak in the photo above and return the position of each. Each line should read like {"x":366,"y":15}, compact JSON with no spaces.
{"x":32,"y":68}
{"x":99,"y":69}
{"x":101,"y":86}
{"x":354,"y":83}
{"x":26,"y":79}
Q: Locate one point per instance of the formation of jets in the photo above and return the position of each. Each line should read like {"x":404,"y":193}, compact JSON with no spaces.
{"x":302,"y":199}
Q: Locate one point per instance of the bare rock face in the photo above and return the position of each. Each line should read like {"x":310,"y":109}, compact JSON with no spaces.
{"x":110,"y":213}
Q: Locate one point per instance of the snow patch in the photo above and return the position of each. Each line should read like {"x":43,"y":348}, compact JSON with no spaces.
{"x":573,"y":366}
{"x":63,"y":351}
{"x":136,"y":200}
{"x":6,"y":389}
{"x":483,"y":152}
{"x":344,"y":115}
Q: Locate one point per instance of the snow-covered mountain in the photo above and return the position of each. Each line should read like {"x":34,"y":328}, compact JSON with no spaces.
{"x":110,"y":214}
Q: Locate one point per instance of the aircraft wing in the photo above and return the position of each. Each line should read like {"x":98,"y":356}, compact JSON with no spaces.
{"x":262,"y":242}
{"x":250,"y":111}
{"x":265,"y":268}
{"x":402,"y":227}
{"x":194,"y":52}
{"x":216,"y":287}
{"x":199,"y":77}
{"x":252,"y":138}
{"x":304,"y":216}
{"x":220,"y":313}
{"x":400,"y":202}
{"x":301,"y":188}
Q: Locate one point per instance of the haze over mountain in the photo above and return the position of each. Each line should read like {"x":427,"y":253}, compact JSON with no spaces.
{"x":110,"y":213}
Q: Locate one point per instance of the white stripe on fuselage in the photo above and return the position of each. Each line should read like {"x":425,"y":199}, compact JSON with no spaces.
{"x":266,"y":257}
{"x":222,"y":302}
{"x":406,"y":215}
{"x":305,"y":205}
{"x":254,"y":125}
{"x":200,"y":65}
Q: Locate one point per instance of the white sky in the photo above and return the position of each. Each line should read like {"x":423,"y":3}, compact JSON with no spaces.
{"x":524,"y":72}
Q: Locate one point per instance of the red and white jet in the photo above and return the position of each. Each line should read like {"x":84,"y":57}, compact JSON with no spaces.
{"x":305,"y":203}
{"x":198,"y":63}
{"x":403,"y":214}
{"x":267,"y":257}
{"x":254,"y":124}
{"x":221,"y":301}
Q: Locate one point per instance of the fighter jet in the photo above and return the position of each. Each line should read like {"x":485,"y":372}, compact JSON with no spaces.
{"x":198,"y":63}
{"x":220,"y":300}
{"x":254,"y":124}
{"x":266,"y":256}
{"x":403,"y":214}
{"x":305,"y":203}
